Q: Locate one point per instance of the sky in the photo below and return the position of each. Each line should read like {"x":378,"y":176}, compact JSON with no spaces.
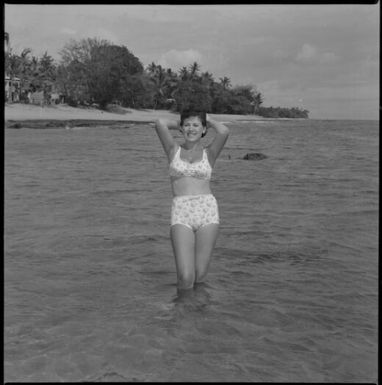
{"x":319,"y":57}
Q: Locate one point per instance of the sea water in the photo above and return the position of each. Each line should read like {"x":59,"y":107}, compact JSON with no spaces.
{"x":90,"y":280}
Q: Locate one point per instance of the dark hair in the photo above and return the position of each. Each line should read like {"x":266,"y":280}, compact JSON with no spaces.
{"x":202,"y":115}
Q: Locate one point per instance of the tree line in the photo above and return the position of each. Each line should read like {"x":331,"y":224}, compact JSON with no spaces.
{"x":96,"y":72}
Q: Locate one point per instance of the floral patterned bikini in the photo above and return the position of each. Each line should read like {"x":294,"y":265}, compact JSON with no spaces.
{"x":193,"y":211}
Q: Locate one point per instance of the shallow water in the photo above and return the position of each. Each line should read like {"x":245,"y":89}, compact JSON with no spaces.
{"x":89,"y":273}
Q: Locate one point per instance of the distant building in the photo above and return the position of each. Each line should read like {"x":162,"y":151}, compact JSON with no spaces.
{"x":57,"y":98}
{"x":12,"y":84}
{"x":37,"y":98}
{"x":12,"y":89}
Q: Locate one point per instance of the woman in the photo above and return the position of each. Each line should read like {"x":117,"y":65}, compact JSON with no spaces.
{"x":194,"y":212}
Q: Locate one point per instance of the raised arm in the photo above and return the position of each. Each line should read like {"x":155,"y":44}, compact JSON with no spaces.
{"x":162,"y":127}
{"x":219,"y":141}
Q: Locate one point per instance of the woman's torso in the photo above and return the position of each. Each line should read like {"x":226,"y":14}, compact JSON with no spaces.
{"x":190,"y":178}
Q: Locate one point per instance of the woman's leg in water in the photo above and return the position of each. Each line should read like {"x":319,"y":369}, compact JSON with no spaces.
{"x":205,"y":240}
{"x":183,"y":244}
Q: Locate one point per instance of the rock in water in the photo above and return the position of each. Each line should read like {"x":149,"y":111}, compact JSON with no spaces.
{"x":254,"y":156}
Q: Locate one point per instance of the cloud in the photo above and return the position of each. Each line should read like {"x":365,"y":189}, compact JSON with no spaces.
{"x":68,"y":31}
{"x":102,"y":33}
{"x":328,"y":57}
{"x":280,"y":53}
{"x":309,"y":54}
{"x":177,"y":59}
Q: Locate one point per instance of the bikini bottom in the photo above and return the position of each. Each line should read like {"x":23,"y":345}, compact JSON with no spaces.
{"x":194,"y":211}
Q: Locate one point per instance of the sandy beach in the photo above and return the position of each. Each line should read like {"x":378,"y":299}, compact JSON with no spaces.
{"x":26,"y":112}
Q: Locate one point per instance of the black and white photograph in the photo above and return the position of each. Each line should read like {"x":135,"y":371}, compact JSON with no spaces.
{"x":191,"y":192}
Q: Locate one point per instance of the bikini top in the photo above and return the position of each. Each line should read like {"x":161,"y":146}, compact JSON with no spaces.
{"x":201,"y":169}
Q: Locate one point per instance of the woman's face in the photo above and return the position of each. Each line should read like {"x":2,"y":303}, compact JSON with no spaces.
{"x":192,"y":128}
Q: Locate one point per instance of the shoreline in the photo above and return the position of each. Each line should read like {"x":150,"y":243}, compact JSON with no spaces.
{"x":19,"y":115}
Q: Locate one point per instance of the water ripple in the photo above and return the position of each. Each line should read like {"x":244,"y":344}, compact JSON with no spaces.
{"x":90,"y":279}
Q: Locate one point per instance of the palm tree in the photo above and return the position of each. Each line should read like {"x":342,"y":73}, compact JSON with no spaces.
{"x":194,"y":68}
{"x":169,"y":73}
{"x":46,"y":66}
{"x":15,"y":64}
{"x":207,"y":78}
{"x":257,"y":101}
{"x":172,"y":82}
{"x":184,"y":74}
{"x":19,"y":66}
{"x":12,"y":63}
{"x":46,"y":74}
{"x":225,"y":82}
{"x":32,"y":72}
{"x":152,"y":68}
{"x":159,"y":79}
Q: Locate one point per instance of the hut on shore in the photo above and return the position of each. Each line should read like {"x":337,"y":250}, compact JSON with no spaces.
{"x":12,"y":89}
